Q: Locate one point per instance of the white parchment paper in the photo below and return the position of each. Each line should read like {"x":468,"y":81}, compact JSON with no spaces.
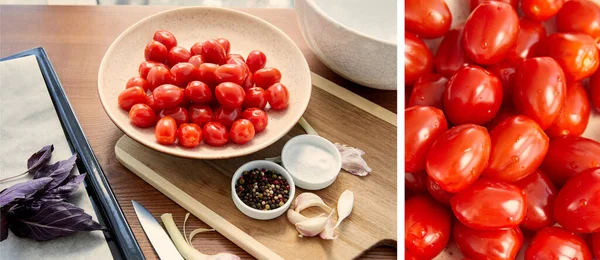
{"x":28,"y":122}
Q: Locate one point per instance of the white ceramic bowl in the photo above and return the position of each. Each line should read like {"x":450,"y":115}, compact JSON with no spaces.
{"x":354,"y":38}
{"x":262,"y":214}
{"x":195,"y":24}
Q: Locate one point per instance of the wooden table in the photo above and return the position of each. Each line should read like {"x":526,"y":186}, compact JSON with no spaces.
{"x":76,"y":39}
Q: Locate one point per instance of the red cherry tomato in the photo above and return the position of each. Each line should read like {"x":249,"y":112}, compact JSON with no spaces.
{"x":540,"y":90}
{"x":428,"y":225}
{"x":196,"y":49}
{"x":230,"y":95}
{"x":258,"y":118}
{"x":177,"y":54}
{"x":235,"y":56}
{"x":519,"y":146}
{"x":487,"y":244}
{"x":178,"y":113}
{"x":577,"y":54}
{"x":166,"y":131}
{"x":513,"y":3}
{"x":596,"y":244}
{"x":142,"y":115}
{"x":256,"y":60}
{"x":415,"y":181}
{"x":139,"y":82}
{"x":577,"y":206}
{"x":255,"y":97}
{"x":150,"y":102}
{"x":146,"y":66}
{"x":215,"y":134}
{"x":242,"y":131}
{"x":230,"y":73}
{"x":418,"y":60}
{"x":557,"y":243}
{"x":155,"y":51}
{"x":200,"y":114}
{"x":504,"y":113}
{"x":266,"y":77}
{"x":428,"y":91}
{"x":166,"y":38}
{"x":227,"y":116}
{"x":574,"y":117}
{"x":427,"y":18}
{"x":570,"y":155}
{"x":581,"y":16}
{"x":450,"y":55}
{"x":490,"y":31}
{"x":248,"y":82}
{"x":225,"y":44}
{"x":458,"y":157}
{"x":437,"y":193}
{"x":278,"y":96}
{"x":168,"y":96}
{"x":475,"y":90}
{"x":541,"y":10}
{"x":424,"y":125}
{"x":183,"y":73}
{"x":159,"y":76}
{"x":213,"y":52}
{"x":594,"y":87}
{"x":505,"y":72}
{"x":207,"y":73}
{"x":530,"y":33}
{"x":489,"y":205}
{"x":196,"y":60}
{"x":540,"y":194}
{"x":198,"y":92}
{"x":131,"y":96}
{"x":189,"y":135}
{"x":409,"y":255}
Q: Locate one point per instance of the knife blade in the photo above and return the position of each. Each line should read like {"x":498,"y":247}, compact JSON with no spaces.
{"x":160,"y":240}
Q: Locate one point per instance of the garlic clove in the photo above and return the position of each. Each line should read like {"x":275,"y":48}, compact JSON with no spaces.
{"x":329,"y":232}
{"x":344,"y":206}
{"x":313,"y":226}
{"x":352,"y":160}
{"x":307,"y":200}
{"x":295,"y":217}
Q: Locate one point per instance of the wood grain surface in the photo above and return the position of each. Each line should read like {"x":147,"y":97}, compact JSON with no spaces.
{"x":76,"y":38}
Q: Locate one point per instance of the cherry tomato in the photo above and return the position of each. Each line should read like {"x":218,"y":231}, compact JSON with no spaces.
{"x":207,"y":73}
{"x":458,"y":156}
{"x":266,"y":77}
{"x":595,"y":90}
{"x":230,"y":73}
{"x":139,"y":82}
{"x":168,"y":96}
{"x":178,"y":113}
{"x":215,"y":134}
{"x":230,"y":95}
{"x":409,"y":255}
{"x":166,"y":131}
{"x":235,"y":56}
{"x":581,"y":16}
{"x":131,"y":96}
{"x":475,"y":90}
{"x":513,"y":3}
{"x":178,"y":54}
{"x":183,"y":73}
{"x":519,"y":146}
{"x":196,"y":49}
{"x":450,"y":55}
{"x":196,"y":60}
{"x":427,"y":227}
{"x":574,"y":117}
{"x":577,"y":54}
{"x":424,"y":125}
{"x":418,"y":60}
{"x":427,"y":18}
{"x":570,"y":155}
{"x":278,"y":96}
{"x":255,"y":97}
{"x":240,"y":62}
{"x":577,"y":206}
{"x":540,"y":194}
{"x":189,"y":135}
{"x":227,"y":116}
{"x":428,"y":91}
{"x":155,"y":51}
{"x":258,"y":118}
{"x":541,"y":10}
{"x":557,"y":243}
{"x":530,"y":33}
{"x":142,"y":115}
{"x":540,"y":90}
{"x":415,"y":181}
{"x":159,"y":76}
{"x":200,"y":114}
{"x":487,"y":244}
{"x":490,"y":204}
{"x":150,"y":102}
{"x":256,"y":60}
{"x":596,"y":244}
{"x":166,"y":38}
{"x":242,"y":131}
{"x":213,"y":52}
{"x":248,"y":82}
{"x":437,"y":193}
{"x":146,"y":66}
{"x":505,"y":72}
{"x":198,"y":92}
{"x":225,"y":43}
{"x":504,"y":113}
{"x":490,"y":31}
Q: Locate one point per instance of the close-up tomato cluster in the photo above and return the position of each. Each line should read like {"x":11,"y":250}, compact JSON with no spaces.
{"x":495,"y":161}
{"x":204,"y":94}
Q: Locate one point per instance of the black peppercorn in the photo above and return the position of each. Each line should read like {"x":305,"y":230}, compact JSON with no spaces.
{"x":262,"y":189}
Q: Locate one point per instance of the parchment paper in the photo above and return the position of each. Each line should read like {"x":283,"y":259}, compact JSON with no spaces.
{"x":28,"y":122}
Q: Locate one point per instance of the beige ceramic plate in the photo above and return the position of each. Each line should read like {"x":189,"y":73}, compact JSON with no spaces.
{"x":198,"y":24}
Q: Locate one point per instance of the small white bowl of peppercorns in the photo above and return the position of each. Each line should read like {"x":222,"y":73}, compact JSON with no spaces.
{"x":262,"y":189}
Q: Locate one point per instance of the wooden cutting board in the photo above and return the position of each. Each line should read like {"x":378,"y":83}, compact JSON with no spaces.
{"x":203,"y":186}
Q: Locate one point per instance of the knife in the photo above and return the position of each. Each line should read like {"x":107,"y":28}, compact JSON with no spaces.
{"x":160,"y":240}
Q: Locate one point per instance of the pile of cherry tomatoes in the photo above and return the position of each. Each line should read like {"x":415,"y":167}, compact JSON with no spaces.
{"x":493,"y":125}
{"x":205,"y":93}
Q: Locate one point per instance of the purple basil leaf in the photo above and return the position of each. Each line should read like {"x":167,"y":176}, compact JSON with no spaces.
{"x":3,"y":226}
{"x":52,"y":220}
{"x":40,"y":158}
{"x":63,"y":192}
{"x":23,"y":191}
{"x":59,"y":171}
